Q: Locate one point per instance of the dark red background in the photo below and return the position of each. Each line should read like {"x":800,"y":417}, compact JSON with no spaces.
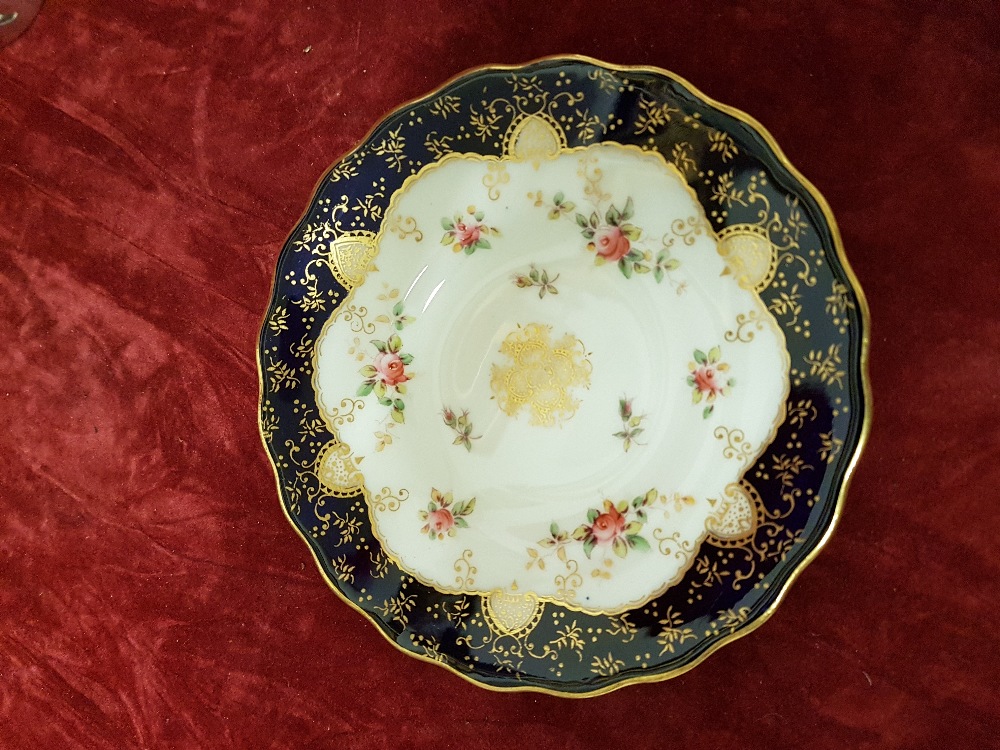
{"x":153,"y":157}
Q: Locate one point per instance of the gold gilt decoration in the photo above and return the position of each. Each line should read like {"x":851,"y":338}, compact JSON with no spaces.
{"x":337,"y":470}
{"x":512,"y":613}
{"x":534,"y":138}
{"x":768,"y":241}
{"x":351,"y":257}
{"x":539,"y":376}
{"x":737,"y":515}
{"x":750,"y":257}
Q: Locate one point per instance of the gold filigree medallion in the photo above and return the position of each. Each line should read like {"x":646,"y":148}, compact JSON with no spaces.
{"x":540,"y":376}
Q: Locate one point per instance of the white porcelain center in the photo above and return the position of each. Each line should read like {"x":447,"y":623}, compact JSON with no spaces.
{"x":538,"y":369}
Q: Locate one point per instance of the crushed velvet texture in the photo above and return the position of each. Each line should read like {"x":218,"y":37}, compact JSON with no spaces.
{"x":153,"y":156}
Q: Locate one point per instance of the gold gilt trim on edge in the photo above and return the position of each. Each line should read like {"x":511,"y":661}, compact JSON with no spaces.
{"x":863,"y":313}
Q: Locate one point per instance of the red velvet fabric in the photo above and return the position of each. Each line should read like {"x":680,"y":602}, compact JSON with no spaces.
{"x":153,"y":156}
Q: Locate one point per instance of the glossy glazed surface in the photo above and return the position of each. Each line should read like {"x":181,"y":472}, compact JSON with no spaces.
{"x":562,"y":376}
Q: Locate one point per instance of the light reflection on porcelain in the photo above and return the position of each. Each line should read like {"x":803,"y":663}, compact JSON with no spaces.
{"x":569,"y":481}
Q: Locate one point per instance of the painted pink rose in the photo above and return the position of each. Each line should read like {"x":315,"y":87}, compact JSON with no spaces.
{"x":608,"y":526}
{"x":440,"y":521}
{"x":706,"y":380}
{"x":610,"y":243}
{"x":390,"y":368}
{"x":467,"y":232}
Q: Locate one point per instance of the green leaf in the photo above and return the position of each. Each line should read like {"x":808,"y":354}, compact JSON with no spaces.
{"x":447,"y":239}
{"x":533,"y":274}
{"x":368,"y":371}
{"x":554,"y":529}
{"x":612,"y":216}
{"x":632,"y":232}
{"x":461,"y":523}
{"x":642,"y":268}
{"x":708,"y":410}
{"x":672,"y":264}
{"x":554,"y":213}
{"x":397,"y":309}
{"x":639,"y":543}
{"x":400,"y":389}
{"x":580,"y":533}
{"x":658,"y":274}
{"x":467,"y":443}
{"x":380,"y":345}
{"x":699,"y":357}
{"x":568,"y":206}
{"x":485,"y":244}
{"x":394,"y":343}
{"x":592,"y":515}
{"x":621,"y":435}
{"x":690,"y":380}
{"x":714,"y":354}
{"x":398,"y":404}
{"x":406,"y":358}
{"x":696,"y":396}
{"x":628,"y":210}
{"x":588,"y":547}
{"x":582,"y":221}
{"x":620,"y":548}
{"x":595,"y":220}
{"x":471,"y":249}
{"x":365,"y":388}
{"x":397,"y":416}
{"x":380,"y":389}
{"x":479,"y":215}
{"x":470,"y":505}
{"x":622,"y":406}
{"x":637,"y":431}
{"x":626,"y":268}
{"x":447,"y":223}
{"x":588,"y":233}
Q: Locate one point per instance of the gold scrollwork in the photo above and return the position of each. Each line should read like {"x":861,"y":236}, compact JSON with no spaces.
{"x":688,"y":229}
{"x":387,"y":501}
{"x":496,"y":175}
{"x":737,"y":446}
{"x":404,"y":226}
{"x":466,"y":578}
{"x":745,"y":323}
